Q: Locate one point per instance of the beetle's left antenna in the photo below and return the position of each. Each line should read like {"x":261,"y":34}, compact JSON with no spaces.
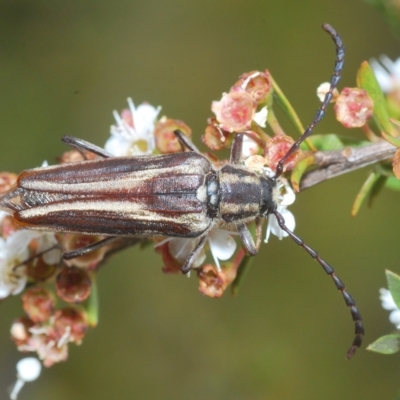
{"x":355,"y":314}
{"x":339,"y":63}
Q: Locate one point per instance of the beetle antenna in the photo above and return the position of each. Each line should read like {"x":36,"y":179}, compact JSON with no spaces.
{"x":339,"y":62}
{"x":355,"y":314}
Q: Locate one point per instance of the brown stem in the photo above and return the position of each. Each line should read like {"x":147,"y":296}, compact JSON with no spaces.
{"x":334,"y":163}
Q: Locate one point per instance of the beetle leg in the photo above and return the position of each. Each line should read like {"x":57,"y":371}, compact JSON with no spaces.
{"x":69,"y":255}
{"x":258,"y":232}
{"x":80,"y":145}
{"x":236,"y":149}
{"x":185,"y":142}
{"x":190,"y":260}
{"x":247,"y":239}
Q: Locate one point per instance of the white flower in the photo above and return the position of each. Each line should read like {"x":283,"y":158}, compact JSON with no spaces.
{"x":13,"y":251}
{"x":260,"y":117}
{"x":134,"y":132}
{"x":249,"y":147}
{"x":323,"y":89}
{"x":47,"y":241}
{"x":389,"y":304}
{"x":222,"y":247}
{"x":283,"y":195}
{"x":181,"y":248}
{"x":387,"y":72}
{"x":28,"y":370}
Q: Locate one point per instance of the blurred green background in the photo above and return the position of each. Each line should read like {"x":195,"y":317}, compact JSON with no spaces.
{"x":65,"y":65}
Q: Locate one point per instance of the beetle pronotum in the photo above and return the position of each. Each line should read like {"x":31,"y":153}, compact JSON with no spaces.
{"x":178,"y":195}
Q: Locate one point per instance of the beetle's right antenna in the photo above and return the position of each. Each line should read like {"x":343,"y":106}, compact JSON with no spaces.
{"x":328,"y":97}
{"x":355,"y":314}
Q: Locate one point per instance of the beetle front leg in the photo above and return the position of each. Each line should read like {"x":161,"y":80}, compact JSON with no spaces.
{"x":80,"y":145}
{"x":192,"y":257}
{"x":236,"y":149}
{"x":69,"y":255}
{"x":258,"y":233}
{"x":247,"y":239}
{"x":185,"y":142}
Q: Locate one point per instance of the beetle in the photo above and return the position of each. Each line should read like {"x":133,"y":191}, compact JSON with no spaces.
{"x":178,"y":195}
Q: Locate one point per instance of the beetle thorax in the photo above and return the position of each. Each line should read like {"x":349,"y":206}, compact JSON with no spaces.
{"x":242,"y":194}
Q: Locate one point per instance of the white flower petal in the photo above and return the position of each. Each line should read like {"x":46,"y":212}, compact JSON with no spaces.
{"x":387,"y":299}
{"x":396,"y":68}
{"x":387,"y":72}
{"x":274,"y":226}
{"x":260,"y":117}
{"x":139,"y":126}
{"x":181,"y":248}
{"x":322,"y":90}
{"x":394,"y":317}
{"x":12,"y":281}
{"x":117,"y":146}
{"x":288,"y":197}
{"x":18,"y":242}
{"x":382,"y":75}
{"x":249,"y":147}
{"x":144,"y":118}
{"x":222,"y":244}
{"x":29,"y":369}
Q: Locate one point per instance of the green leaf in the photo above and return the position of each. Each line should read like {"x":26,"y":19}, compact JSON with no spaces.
{"x":332,"y":141}
{"x":366,"y":79}
{"x":376,"y":189}
{"x":392,"y":183}
{"x":286,"y":106}
{"x":394,"y":286}
{"x":241,"y":273}
{"x":370,"y":189}
{"x":299,"y":170}
{"x":395,"y":141}
{"x":364,"y":191}
{"x":327,"y":142}
{"x":388,"y":344}
{"x":91,"y":305}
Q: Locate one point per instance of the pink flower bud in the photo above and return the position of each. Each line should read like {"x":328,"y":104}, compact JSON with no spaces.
{"x":38,"y":270}
{"x":75,"y":156}
{"x":215,"y":137}
{"x":171,"y":265}
{"x":166,"y":141}
{"x":353,"y":107}
{"x":20,"y":333}
{"x":72,"y":322}
{"x":38,"y":303}
{"x":276,"y":148}
{"x":76,"y":241}
{"x":7,"y":179}
{"x":396,"y":164}
{"x":73,"y":285}
{"x":7,"y":226}
{"x":235,"y":111}
{"x":257,"y":84}
{"x":211,"y":281}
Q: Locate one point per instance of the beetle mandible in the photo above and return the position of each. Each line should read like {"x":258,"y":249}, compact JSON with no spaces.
{"x":178,"y":195}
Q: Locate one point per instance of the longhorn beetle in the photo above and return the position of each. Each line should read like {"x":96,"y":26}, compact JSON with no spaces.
{"x":179,"y":195}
